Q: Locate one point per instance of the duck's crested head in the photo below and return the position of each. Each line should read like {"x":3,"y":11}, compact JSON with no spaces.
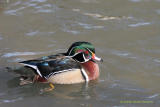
{"x":82,"y":52}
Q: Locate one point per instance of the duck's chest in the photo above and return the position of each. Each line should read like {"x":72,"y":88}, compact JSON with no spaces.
{"x":69,"y":77}
{"x":92,"y":69}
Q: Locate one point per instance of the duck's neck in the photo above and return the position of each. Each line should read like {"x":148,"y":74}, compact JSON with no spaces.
{"x":92,"y":69}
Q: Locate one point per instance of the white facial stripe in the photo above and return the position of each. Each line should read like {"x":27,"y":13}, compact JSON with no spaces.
{"x":90,"y":50}
{"x":85,"y":60}
{"x":70,"y":51}
{"x":74,"y":54}
{"x":85,"y":75}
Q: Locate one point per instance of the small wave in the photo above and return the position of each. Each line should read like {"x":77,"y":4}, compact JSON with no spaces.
{"x":153,"y":96}
{"x":89,"y":1}
{"x":71,"y":31}
{"x":139,"y":24}
{"x":120,"y":53}
{"x":17,"y":60}
{"x":104,"y":18}
{"x":1,"y":38}
{"x":13,"y":54}
{"x":157,"y":60}
{"x":40,"y":1}
{"x":46,"y":8}
{"x":31,"y":4}
{"x":158,"y":11}
{"x":135,"y":0}
{"x":37,"y":32}
{"x":16,"y":3}
{"x":32,"y":33}
{"x":11,"y":101}
{"x":15,"y":11}
{"x":89,"y":26}
{"x":1,"y":94}
{"x":101,"y":17}
{"x":124,"y":54}
{"x":44,"y":11}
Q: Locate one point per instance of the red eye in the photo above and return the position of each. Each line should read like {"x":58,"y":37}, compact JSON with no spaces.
{"x":86,"y":52}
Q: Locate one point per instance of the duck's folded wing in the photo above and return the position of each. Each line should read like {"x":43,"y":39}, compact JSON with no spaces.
{"x":46,"y":68}
{"x":33,"y":64}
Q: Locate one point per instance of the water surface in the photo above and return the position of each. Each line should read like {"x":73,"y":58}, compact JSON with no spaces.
{"x":125,"y":34}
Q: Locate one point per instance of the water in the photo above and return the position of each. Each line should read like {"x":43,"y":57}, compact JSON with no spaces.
{"x":125,"y":34}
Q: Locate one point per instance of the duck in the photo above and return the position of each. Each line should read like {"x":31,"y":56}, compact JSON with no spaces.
{"x":77,"y":65}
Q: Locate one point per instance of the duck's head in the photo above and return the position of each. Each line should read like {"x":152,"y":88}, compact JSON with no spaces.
{"x":82,"y":52}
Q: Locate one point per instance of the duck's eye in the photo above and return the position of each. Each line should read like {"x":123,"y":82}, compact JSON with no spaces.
{"x":87,"y":55}
{"x":86,"y":52}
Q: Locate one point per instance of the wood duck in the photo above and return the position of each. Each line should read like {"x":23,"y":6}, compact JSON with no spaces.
{"x":77,"y":65}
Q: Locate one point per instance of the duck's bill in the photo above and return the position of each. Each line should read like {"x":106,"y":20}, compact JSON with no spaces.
{"x":95,"y":58}
{"x":98,"y":59}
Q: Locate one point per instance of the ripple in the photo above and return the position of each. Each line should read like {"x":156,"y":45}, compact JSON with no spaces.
{"x":3,"y":3}
{"x":158,"y":11}
{"x":17,"y":60}
{"x":89,"y":1}
{"x":31,"y":4}
{"x":123,"y":54}
{"x":32,"y":33}
{"x":135,"y":0}
{"x":40,"y":1}
{"x":44,"y":11}
{"x":37,"y":32}
{"x":104,"y":18}
{"x":139,"y":24}
{"x":11,"y":100}
{"x":2,"y":94}
{"x":153,"y":96}
{"x":15,"y":11}
{"x":36,"y":6}
{"x":71,"y":31}
{"x":13,"y":54}
{"x":126,"y":86}
{"x":43,"y":6}
{"x":16,"y":3}
{"x":157,"y":60}
{"x":1,"y":37}
{"x":46,"y":8}
{"x":89,"y":26}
